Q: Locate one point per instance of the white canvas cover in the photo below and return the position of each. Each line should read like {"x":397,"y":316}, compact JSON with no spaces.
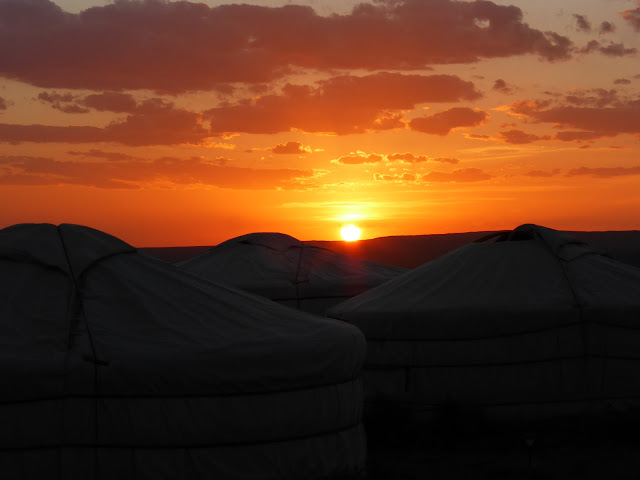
{"x":118,"y":365}
{"x":289,"y":271}
{"x":540,"y":324}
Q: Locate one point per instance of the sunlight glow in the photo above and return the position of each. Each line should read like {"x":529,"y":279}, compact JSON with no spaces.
{"x":350,"y":233}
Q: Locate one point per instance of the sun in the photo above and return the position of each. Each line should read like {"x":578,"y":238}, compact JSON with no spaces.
{"x":350,"y":233}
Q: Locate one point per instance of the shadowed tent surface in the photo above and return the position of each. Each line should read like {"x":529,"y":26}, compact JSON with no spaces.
{"x":118,"y":365}
{"x":537,"y":326}
{"x":289,"y":271}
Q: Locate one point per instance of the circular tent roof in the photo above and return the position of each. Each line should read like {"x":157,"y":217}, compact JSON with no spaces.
{"x":289,"y":271}
{"x":118,"y":363}
{"x":537,"y":321}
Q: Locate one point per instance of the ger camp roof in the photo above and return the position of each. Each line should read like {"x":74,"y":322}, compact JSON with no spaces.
{"x":283,"y":268}
{"x":110,"y":357}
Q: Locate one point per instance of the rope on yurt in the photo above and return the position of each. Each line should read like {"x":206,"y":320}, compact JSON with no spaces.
{"x":297,"y":278}
{"x":583,"y":324}
{"x":77,"y":300}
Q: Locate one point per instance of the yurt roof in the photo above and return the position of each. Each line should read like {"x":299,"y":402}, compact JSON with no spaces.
{"x":70,"y":290}
{"x":535,"y":279}
{"x":281,"y":267}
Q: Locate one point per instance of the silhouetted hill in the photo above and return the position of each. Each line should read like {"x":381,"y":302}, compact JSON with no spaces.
{"x":414,"y":250}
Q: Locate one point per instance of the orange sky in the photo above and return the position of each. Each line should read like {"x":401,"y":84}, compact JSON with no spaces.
{"x":190,"y":123}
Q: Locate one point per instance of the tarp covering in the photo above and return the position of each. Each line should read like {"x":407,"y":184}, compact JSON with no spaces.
{"x":289,"y":271}
{"x":538,"y":324}
{"x":118,"y":365}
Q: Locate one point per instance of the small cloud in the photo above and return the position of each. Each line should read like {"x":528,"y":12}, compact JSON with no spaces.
{"x":290,"y":148}
{"x":606,"y":27}
{"x":501,"y":86}
{"x":407,"y":158}
{"x":358,"y":158}
{"x":405,"y":177}
{"x":542,"y":174}
{"x":460,"y":175}
{"x":582,"y":24}
{"x":446,"y":160}
{"x":519,"y":137}
{"x":573,"y":136}
{"x":442,"y":123}
{"x":3,"y":104}
{"x":111,"y":156}
{"x":633,"y":17}
{"x":621,"y":81}
{"x":611,"y":50}
{"x":604,"y":172}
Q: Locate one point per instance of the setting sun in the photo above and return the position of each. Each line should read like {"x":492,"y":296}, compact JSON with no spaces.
{"x":350,"y":233}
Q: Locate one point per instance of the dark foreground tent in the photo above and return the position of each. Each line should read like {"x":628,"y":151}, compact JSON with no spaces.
{"x":537,"y":326}
{"x":118,"y":365}
{"x":289,"y":271}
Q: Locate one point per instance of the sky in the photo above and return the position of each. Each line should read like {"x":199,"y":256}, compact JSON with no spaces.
{"x":183,"y":123}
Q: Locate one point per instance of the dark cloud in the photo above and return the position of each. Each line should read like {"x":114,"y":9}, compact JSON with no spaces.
{"x":165,"y":127}
{"x":608,"y":121}
{"x":595,"y":97}
{"x":341,"y":105}
{"x":18,"y":170}
{"x":604,"y":172}
{"x":290,"y":148}
{"x":501,"y":86}
{"x":611,"y":50}
{"x":633,"y":17}
{"x":95,"y":153}
{"x":519,"y":137}
{"x":541,"y":174}
{"x":3,"y":104}
{"x":460,"y":175}
{"x":580,"y":136}
{"x":179,"y":46}
{"x":582,"y":23}
{"x":442,"y":123}
{"x":621,"y":81}
{"x":606,"y":27}
{"x":63,"y":102}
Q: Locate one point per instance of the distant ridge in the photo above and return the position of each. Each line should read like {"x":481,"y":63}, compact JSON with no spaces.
{"x":410,"y":251}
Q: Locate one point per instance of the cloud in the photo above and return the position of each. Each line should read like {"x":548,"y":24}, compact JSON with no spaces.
{"x":518,"y":137}
{"x":460,"y":175}
{"x":595,"y":97}
{"x":633,"y":17}
{"x":442,"y":123}
{"x":608,"y":121}
{"x":611,"y":50}
{"x":22,"y":170}
{"x":621,"y":81}
{"x":340,"y":105}
{"x":582,"y":24}
{"x":358,"y":158}
{"x":179,"y":46}
{"x":411,"y":158}
{"x":501,"y":86}
{"x":95,"y":153}
{"x":167,"y":126}
{"x":606,"y":27}
{"x":604,"y":172}
{"x":62,"y":102}
{"x":3,"y":104}
{"x":541,"y":174}
{"x":407,"y":157}
{"x":405,"y":177}
{"x":572,"y":136}
{"x":290,"y":148}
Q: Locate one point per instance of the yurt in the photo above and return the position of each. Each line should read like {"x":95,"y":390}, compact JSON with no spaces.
{"x":289,"y":271}
{"x":538,"y":325}
{"x":115,"y":365}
